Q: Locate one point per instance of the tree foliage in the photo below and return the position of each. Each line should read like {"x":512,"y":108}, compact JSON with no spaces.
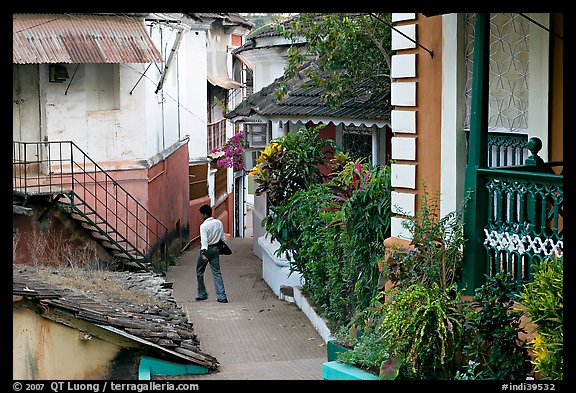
{"x":356,"y":47}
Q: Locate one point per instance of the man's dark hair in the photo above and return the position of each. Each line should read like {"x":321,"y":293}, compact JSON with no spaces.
{"x":206,"y":209}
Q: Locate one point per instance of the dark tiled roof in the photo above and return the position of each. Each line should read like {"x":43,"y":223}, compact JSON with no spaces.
{"x":160,"y":323}
{"x":304,"y":99}
{"x":227,"y":18}
{"x":267,"y":30}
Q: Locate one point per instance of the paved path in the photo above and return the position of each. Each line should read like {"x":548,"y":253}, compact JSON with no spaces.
{"x":255,"y":336}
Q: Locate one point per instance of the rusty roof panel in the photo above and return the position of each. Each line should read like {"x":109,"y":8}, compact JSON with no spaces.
{"x":81,"y":38}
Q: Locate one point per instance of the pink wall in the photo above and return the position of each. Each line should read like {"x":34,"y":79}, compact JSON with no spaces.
{"x":53,"y":240}
{"x":195,"y":219}
{"x":168,"y":191}
{"x":162,"y":190}
{"x":227,"y":217}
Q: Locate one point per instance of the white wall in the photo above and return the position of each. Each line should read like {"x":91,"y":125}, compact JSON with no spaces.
{"x":181,"y":108}
{"x":268,"y":65}
{"x":144,"y":123}
{"x":105,"y":135}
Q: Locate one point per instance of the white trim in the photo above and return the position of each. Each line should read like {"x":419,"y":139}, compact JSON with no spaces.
{"x":403,"y":121}
{"x":404,"y":66}
{"x":403,"y":175}
{"x":403,"y":148}
{"x":504,"y":241}
{"x":400,"y":16}
{"x":319,"y":323}
{"x":335,"y":121}
{"x":453,"y":146}
{"x":398,"y":230}
{"x":276,"y":269}
{"x":401,"y":42}
{"x":538,"y":81}
{"x":403,"y":93}
{"x":403,"y":203}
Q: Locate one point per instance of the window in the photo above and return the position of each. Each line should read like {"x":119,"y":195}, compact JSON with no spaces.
{"x":102,"y":87}
{"x":508,"y":96}
{"x":198,"y":181}
{"x":516,"y":75}
{"x":357,"y":140}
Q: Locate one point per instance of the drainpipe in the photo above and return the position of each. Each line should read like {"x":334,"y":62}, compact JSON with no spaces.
{"x":169,"y":61}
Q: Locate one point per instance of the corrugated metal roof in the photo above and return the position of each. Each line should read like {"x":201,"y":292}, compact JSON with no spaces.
{"x":81,"y":38}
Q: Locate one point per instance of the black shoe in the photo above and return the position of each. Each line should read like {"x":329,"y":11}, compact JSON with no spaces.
{"x":199,"y":299}
{"x":223,"y":300}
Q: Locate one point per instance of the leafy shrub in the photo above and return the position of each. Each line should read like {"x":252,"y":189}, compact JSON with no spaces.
{"x":436,"y":252}
{"x":334,"y":232}
{"x":425,"y":326}
{"x":543,"y":300}
{"x":420,"y":328}
{"x":291,"y":163}
{"x":371,"y":354}
{"x":303,"y":228}
{"x":363,"y":200}
{"x":493,"y":331}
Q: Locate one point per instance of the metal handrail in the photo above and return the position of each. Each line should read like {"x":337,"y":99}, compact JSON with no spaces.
{"x":56,"y":168}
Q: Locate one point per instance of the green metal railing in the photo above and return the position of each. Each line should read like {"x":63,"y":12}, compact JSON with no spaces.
{"x":83,"y":187}
{"x":505,"y":148}
{"x":514,"y":215}
{"x":521,"y":217}
{"x":524,"y":221}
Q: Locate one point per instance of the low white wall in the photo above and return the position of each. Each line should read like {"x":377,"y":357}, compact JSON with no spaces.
{"x":276,"y":270}
{"x":317,"y":321}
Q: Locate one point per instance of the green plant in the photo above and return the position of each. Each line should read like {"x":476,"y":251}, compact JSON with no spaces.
{"x":334,"y":232}
{"x":543,"y":301}
{"x":493,"y":330}
{"x":425,"y":326}
{"x":291,"y":163}
{"x":371,"y":354}
{"x":470,"y":372}
{"x":302,"y":227}
{"x":436,"y":252}
{"x":362,"y":195}
{"x":335,"y":41}
{"x":418,"y":331}
{"x":221,"y":104}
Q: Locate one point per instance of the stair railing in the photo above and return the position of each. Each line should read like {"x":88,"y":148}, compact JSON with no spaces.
{"x":61,"y":167}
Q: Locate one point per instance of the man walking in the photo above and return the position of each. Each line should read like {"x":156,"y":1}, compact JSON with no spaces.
{"x":211,"y":232}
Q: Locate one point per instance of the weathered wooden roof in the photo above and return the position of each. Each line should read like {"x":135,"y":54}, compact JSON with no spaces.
{"x":164,"y":327}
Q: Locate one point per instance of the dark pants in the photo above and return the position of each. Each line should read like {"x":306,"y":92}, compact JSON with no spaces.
{"x":213,"y":257}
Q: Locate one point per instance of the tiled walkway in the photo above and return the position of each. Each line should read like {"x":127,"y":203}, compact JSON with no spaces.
{"x":255,"y":336}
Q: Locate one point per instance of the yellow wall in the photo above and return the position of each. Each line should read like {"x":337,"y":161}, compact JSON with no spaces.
{"x":44,"y":349}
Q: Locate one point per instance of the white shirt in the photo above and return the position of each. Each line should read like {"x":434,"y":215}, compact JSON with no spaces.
{"x":211,"y":231}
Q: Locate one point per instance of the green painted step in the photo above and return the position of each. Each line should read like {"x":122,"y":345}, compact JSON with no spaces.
{"x":335,"y":370}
